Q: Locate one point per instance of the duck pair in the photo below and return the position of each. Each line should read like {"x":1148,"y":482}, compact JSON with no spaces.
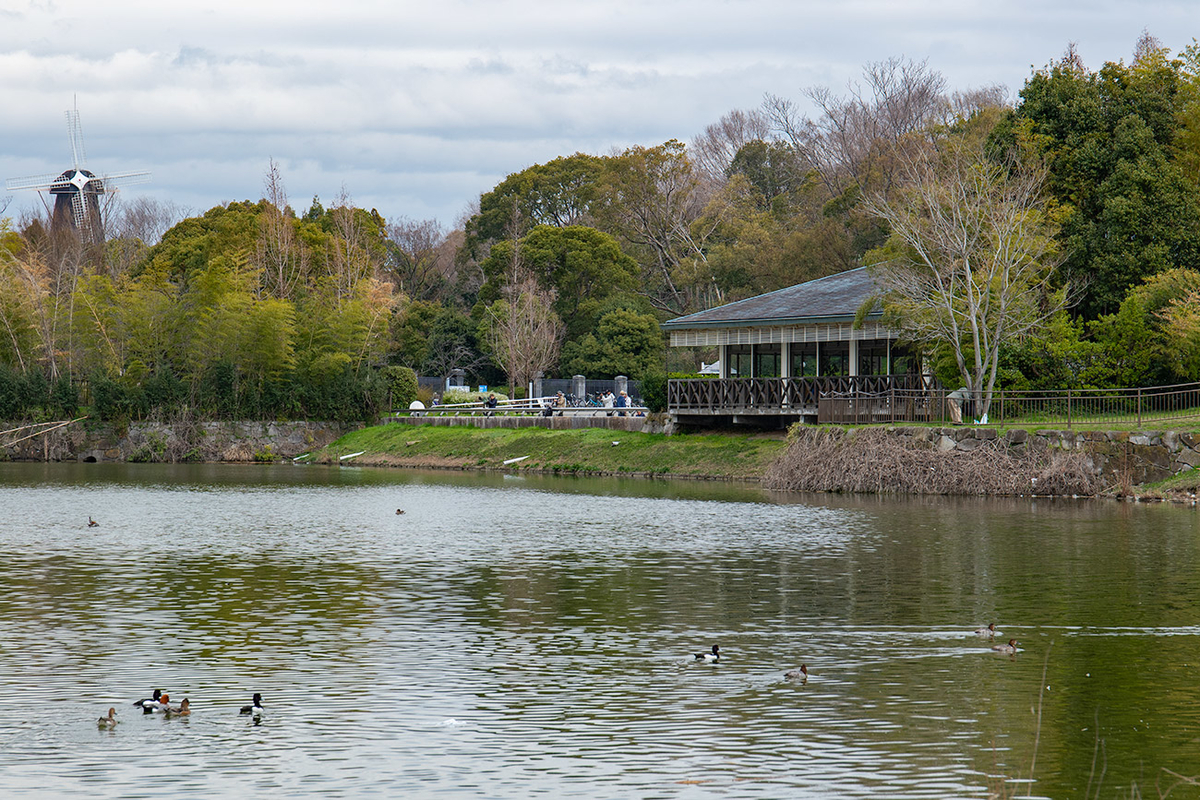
{"x":161,"y":702}
{"x":990,"y":633}
{"x":714,"y":656}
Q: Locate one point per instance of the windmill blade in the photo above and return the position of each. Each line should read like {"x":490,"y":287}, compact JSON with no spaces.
{"x":34,"y":182}
{"x":75,"y":131}
{"x":126,"y":178}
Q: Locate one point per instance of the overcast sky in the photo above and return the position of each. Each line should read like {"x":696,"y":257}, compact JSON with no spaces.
{"x":418,"y":107}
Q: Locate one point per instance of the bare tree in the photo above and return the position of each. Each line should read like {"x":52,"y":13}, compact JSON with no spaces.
{"x":132,"y":227}
{"x":974,"y":252}
{"x":524,"y":333}
{"x":350,"y":259}
{"x":421,"y":262}
{"x":282,"y":261}
{"x":853,"y":139}
{"x":713,"y":151}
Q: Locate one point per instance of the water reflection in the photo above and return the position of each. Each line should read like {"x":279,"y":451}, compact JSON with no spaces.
{"x":509,"y":637}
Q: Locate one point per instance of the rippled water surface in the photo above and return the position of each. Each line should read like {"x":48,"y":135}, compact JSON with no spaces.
{"x":514,"y":637}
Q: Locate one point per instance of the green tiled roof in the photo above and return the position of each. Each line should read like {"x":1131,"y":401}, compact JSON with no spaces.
{"x":835,"y":298}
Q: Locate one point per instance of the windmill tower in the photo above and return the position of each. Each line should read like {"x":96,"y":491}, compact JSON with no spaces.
{"x":77,"y":191}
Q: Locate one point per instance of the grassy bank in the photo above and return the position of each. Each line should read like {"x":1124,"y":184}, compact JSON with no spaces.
{"x":716,"y":456}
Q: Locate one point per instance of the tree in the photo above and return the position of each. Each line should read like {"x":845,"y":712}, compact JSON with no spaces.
{"x":714,"y":150}
{"x":854,"y":140}
{"x":421,"y":264}
{"x":654,"y":201}
{"x":522,"y":331}
{"x":1116,"y":142}
{"x":625,"y":342}
{"x":558,"y":193}
{"x":282,"y":261}
{"x":581,"y":266}
{"x":970,"y":258}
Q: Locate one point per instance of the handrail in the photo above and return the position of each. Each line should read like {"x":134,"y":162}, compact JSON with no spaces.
{"x":881,"y":398}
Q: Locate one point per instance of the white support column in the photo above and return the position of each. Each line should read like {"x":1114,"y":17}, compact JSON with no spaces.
{"x":723,"y":354}
{"x":853,"y":358}
{"x":785,"y":354}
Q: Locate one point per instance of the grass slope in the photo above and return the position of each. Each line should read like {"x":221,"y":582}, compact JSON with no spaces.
{"x":728,"y":456}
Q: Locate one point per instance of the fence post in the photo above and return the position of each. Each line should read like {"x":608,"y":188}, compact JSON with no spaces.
{"x":1068,"y":409}
{"x":1139,"y":407}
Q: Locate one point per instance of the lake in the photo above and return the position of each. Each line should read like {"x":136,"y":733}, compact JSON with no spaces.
{"x":509,"y":637}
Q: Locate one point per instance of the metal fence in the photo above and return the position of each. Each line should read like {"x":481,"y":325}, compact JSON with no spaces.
{"x":550,"y":386}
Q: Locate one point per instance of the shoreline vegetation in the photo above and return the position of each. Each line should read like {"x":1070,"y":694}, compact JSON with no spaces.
{"x":862,"y":460}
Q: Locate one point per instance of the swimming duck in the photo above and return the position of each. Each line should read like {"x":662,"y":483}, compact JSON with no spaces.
{"x":151,"y":704}
{"x":110,"y":721}
{"x":1007,"y":649}
{"x":255,"y":708}
{"x":801,"y":673}
{"x":92,"y":523}
{"x":987,"y":632}
{"x":181,"y":710}
{"x":715,"y":655}
{"x":399,"y":511}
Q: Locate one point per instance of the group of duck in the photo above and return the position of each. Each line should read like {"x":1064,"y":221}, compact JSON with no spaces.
{"x":713,"y":656}
{"x":160,"y":703}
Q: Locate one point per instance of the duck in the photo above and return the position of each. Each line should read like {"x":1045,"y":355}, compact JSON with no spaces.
{"x":110,"y":721}
{"x":801,"y":673}
{"x":255,"y":708}
{"x":92,"y":523}
{"x":181,"y":710}
{"x":150,"y":704}
{"x":399,"y":511}
{"x":715,"y":655}
{"x":1007,"y":649}
{"x":987,"y":632}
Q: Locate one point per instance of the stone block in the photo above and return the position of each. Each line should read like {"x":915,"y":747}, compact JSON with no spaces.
{"x":1017,"y":436}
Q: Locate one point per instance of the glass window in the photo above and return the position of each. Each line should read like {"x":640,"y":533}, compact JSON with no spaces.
{"x":804,"y":360}
{"x":872,"y":358}
{"x":905,"y":361}
{"x":767,"y":359}
{"x":739,"y":361}
{"x":835,"y":358}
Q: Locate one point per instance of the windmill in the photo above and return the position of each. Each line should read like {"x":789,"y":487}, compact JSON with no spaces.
{"x":77,"y":191}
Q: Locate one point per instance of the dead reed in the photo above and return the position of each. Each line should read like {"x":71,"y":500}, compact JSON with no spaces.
{"x":875,"y":461}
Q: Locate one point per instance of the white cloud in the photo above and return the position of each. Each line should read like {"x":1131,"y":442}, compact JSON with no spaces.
{"x":420,"y":107}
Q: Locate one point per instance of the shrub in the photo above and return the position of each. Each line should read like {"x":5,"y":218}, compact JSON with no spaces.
{"x":654,"y":392}
{"x":401,"y":386}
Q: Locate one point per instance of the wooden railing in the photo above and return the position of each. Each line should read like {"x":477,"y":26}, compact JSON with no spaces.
{"x":786,"y":396}
{"x":913,"y":398}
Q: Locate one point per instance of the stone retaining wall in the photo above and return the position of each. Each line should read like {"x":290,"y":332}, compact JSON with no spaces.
{"x":151,"y":441}
{"x":1117,"y":456}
